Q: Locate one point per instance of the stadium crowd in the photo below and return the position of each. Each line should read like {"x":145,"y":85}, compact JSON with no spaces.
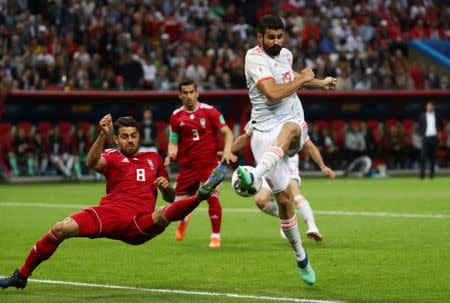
{"x":153,"y":44}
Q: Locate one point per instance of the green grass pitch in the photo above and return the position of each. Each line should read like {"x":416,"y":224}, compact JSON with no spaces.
{"x":386,"y":240}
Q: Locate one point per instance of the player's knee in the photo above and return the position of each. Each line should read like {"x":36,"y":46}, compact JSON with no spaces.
{"x":292,"y":129}
{"x":261,"y":202}
{"x":66,"y":228}
{"x":158,"y":217}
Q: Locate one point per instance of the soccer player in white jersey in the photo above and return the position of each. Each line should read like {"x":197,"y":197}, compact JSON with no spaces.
{"x":279,"y":129}
{"x":265,"y":199}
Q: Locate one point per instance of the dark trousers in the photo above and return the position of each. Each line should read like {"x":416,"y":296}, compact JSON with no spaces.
{"x":429,"y":149}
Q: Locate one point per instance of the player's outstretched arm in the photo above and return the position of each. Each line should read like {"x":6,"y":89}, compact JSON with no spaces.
{"x":228,"y":155}
{"x":94,"y":158}
{"x":240,"y":142}
{"x":311,"y":149}
{"x":329,"y":83}
{"x":276,"y":92}
{"x":167,"y":191}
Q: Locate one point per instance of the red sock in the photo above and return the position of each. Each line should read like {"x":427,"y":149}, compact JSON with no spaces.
{"x":179,"y":209}
{"x":43,"y":250}
{"x":215,"y":212}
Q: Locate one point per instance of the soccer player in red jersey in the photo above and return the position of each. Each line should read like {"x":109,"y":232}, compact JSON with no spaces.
{"x":127,"y":211}
{"x":193,"y":143}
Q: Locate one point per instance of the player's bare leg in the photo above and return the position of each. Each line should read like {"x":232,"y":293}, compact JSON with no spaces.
{"x":41,"y":251}
{"x":181,"y":208}
{"x":289,"y":133}
{"x":289,"y":226}
{"x":180,"y":233}
{"x":306,"y":212}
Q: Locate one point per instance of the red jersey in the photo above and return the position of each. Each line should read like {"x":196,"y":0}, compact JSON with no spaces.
{"x":130,"y":180}
{"x":196,"y":132}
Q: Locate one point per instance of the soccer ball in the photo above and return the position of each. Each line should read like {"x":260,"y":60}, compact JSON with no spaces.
{"x":245,"y":192}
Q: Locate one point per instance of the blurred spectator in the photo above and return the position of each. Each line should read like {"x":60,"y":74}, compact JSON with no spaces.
{"x":21,"y":156}
{"x":60,"y":153}
{"x":40,"y":153}
{"x":396,"y":148}
{"x":429,"y":127}
{"x":355,"y":144}
{"x":80,"y":151}
{"x":148,"y":131}
{"x":152,"y":44}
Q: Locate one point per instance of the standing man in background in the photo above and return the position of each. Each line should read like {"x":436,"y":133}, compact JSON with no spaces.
{"x":148,"y":132}
{"x":193,"y":144}
{"x":429,"y":128}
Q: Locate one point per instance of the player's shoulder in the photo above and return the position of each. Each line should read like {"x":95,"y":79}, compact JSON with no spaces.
{"x":285,"y":52}
{"x":149,"y":155}
{"x":178,"y":110}
{"x":255,"y":53}
{"x":111,"y":151}
{"x":205,"y":106}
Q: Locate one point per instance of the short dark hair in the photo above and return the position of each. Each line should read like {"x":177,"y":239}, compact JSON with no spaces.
{"x":124,"y":122}
{"x":186,"y":83}
{"x":270,"y":22}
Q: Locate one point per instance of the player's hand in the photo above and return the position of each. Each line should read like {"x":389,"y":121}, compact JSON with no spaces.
{"x":329,"y":83}
{"x":106,"y":124}
{"x":307,"y":74}
{"x":162,"y":183}
{"x":329,"y":172}
{"x":228,"y":157}
{"x":169,"y":160}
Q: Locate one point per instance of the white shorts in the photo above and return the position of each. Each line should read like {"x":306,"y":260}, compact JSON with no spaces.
{"x":293,"y":170}
{"x":279,"y":177}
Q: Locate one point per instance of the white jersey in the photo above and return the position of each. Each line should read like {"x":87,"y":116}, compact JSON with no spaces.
{"x":260,"y":66}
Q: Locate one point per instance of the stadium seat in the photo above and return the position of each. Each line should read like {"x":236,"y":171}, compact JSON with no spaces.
{"x":322,"y":124}
{"x":391,"y":122}
{"x":162,"y":138}
{"x":409,"y":126}
{"x":27,"y":127}
{"x":373,"y":124}
{"x":44,"y":128}
{"x":339,"y":128}
{"x":6,"y":136}
{"x":86,"y":127}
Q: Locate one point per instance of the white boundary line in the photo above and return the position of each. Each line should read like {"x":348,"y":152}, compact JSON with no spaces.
{"x":255,"y":210}
{"x":185,"y":292}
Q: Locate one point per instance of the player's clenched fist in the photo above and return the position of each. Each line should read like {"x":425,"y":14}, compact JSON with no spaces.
{"x":106,"y":124}
{"x":162,"y":183}
{"x":307,"y":74}
{"x":329,"y":83}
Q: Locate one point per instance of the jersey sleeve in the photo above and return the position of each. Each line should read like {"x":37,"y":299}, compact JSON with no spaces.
{"x":248,"y":129}
{"x":216,"y":118}
{"x":258,"y":68}
{"x":174,"y":131}
{"x":162,"y":172}
{"x":109,"y":156}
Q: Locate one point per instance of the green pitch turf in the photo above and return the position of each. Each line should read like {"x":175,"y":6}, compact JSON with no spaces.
{"x":385,"y":241}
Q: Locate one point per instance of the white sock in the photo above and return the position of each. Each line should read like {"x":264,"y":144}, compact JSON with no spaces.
{"x":215,"y":235}
{"x":271,"y":208}
{"x":269,"y":160}
{"x":290,"y":230}
{"x":305,"y":211}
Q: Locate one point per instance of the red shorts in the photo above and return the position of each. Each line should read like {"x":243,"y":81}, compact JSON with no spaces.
{"x":107,"y":222}
{"x":189,"y":179}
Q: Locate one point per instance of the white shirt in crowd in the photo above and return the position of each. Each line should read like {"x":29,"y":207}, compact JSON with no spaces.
{"x":431,"y":125}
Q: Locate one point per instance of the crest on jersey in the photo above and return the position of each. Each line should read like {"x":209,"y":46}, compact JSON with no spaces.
{"x":150,"y":163}
{"x":203,"y":122}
